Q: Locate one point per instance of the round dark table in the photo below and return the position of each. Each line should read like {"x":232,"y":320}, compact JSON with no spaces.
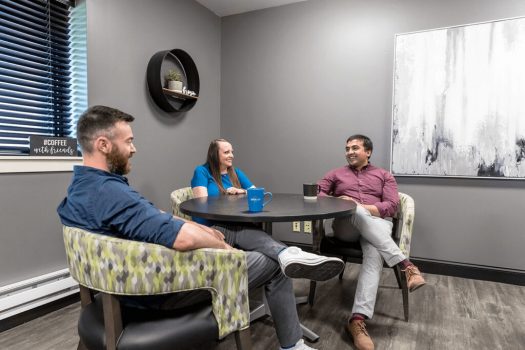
{"x":284,"y":207}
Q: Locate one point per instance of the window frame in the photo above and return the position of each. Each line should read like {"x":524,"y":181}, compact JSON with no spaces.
{"x":31,"y":164}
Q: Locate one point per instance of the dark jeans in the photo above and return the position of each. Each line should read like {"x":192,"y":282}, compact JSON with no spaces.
{"x":263,"y":271}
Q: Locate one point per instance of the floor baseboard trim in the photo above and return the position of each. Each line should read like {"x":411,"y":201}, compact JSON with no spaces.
{"x":39,"y":311}
{"x":476,"y":272}
{"x":448,"y":268}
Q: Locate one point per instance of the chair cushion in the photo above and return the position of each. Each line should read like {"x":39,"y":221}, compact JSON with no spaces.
{"x":150,"y":329}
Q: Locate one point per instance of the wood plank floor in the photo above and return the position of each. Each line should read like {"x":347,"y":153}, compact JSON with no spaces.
{"x":448,"y":313}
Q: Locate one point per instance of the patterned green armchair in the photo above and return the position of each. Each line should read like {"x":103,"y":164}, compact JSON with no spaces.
{"x":118,"y":267}
{"x":351,"y":252}
{"x":179,"y":196}
{"x":404,"y":222}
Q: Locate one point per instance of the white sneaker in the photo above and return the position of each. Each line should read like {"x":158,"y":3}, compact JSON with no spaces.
{"x":300,"y":345}
{"x":298,"y":264}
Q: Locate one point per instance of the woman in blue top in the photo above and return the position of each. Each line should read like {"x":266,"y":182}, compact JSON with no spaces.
{"x":218,"y":175}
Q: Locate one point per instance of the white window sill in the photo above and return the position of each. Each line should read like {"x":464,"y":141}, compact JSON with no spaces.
{"x":27,"y":164}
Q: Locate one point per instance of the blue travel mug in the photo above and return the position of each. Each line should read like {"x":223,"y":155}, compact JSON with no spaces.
{"x":256,"y":201}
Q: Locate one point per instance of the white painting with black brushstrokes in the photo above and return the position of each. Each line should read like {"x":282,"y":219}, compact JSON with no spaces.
{"x":459,"y":101}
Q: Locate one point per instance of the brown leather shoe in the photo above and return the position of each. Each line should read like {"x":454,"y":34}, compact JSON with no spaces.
{"x":414,"y":278}
{"x":357,"y":330}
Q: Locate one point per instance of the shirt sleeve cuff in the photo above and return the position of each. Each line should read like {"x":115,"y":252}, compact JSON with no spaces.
{"x":381,"y":208}
{"x":177,"y":225}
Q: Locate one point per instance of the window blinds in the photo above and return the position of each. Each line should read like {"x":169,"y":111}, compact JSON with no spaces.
{"x":35,"y":72}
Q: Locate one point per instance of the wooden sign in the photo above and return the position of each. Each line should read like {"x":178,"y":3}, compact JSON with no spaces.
{"x":52,"y":146}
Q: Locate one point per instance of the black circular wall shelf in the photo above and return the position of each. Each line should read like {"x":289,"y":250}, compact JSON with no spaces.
{"x":163,"y":96}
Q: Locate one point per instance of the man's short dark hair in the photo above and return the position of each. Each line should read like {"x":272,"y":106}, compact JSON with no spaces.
{"x":367,"y":143}
{"x":98,"y":120}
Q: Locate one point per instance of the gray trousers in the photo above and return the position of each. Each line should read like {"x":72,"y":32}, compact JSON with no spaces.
{"x":264,"y":271}
{"x":375,"y":236}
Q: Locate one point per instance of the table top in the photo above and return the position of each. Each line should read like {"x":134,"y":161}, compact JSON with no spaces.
{"x":283,"y":208}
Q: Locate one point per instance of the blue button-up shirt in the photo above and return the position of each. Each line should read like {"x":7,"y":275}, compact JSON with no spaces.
{"x":102,"y":202}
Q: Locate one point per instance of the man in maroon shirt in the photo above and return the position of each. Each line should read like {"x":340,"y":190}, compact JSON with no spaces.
{"x":375,"y":192}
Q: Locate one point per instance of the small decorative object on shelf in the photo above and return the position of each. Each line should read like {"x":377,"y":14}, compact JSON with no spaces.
{"x":174,"y":79}
{"x":173,"y":99}
{"x":185,"y":91}
{"x":179,"y":94}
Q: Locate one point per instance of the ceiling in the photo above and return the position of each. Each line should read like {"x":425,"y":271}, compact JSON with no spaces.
{"x":232,"y":7}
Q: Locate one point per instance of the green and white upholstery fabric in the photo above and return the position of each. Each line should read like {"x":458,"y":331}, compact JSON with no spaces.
{"x":124,"y":267}
{"x":179,"y":196}
{"x":405,"y":216}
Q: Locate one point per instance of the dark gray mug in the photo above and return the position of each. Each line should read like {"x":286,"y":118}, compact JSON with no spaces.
{"x":310,"y":191}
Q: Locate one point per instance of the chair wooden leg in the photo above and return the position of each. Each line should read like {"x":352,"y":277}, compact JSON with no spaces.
{"x":311,"y":295}
{"x":243,"y":339}
{"x":397,"y":272}
{"x":86,"y":296}
{"x":405,"y":303}
{"x":401,"y":279}
{"x":343,"y":270}
{"x":112,"y":320}
{"x":81,"y":346}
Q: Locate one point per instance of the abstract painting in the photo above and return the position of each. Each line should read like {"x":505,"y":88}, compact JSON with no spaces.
{"x":459,"y":101}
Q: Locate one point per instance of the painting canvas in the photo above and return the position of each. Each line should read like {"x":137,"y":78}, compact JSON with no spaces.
{"x":459,"y":101}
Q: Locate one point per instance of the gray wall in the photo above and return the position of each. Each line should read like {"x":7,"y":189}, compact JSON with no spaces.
{"x":298,"y":79}
{"x":122,"y":36}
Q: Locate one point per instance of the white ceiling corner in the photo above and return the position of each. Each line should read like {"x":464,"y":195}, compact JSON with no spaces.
{"x":232,"y":7}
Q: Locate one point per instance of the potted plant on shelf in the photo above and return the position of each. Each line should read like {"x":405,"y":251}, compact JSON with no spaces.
{"x":174,"y":79}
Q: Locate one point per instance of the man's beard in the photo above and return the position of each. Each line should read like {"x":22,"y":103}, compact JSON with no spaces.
{"x":117,"y":162}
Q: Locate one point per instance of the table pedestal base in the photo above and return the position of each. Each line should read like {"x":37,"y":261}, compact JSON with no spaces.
{"x":263,"y":310}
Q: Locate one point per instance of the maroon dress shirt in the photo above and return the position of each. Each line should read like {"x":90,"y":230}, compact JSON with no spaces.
{"x":370,"y":185}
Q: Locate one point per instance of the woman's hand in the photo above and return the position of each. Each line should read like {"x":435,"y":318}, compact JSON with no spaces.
{"x":235,"y":190}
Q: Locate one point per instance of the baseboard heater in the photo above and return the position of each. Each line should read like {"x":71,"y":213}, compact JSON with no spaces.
{"x":31,"y":293}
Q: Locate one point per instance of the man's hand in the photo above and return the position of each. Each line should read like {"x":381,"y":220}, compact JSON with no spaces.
{"x":215,"y":233}
{"x":235,"y":190}
{"x":348,"y":198}
{"x":192,"y":236}
{"x":370,"y":207}
{"x":228,"y":247}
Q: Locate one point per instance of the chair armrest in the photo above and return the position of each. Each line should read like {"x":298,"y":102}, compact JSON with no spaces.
{"x":179,"y":196}
{"x":405,"y":217}
{"x":124,"y":267}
